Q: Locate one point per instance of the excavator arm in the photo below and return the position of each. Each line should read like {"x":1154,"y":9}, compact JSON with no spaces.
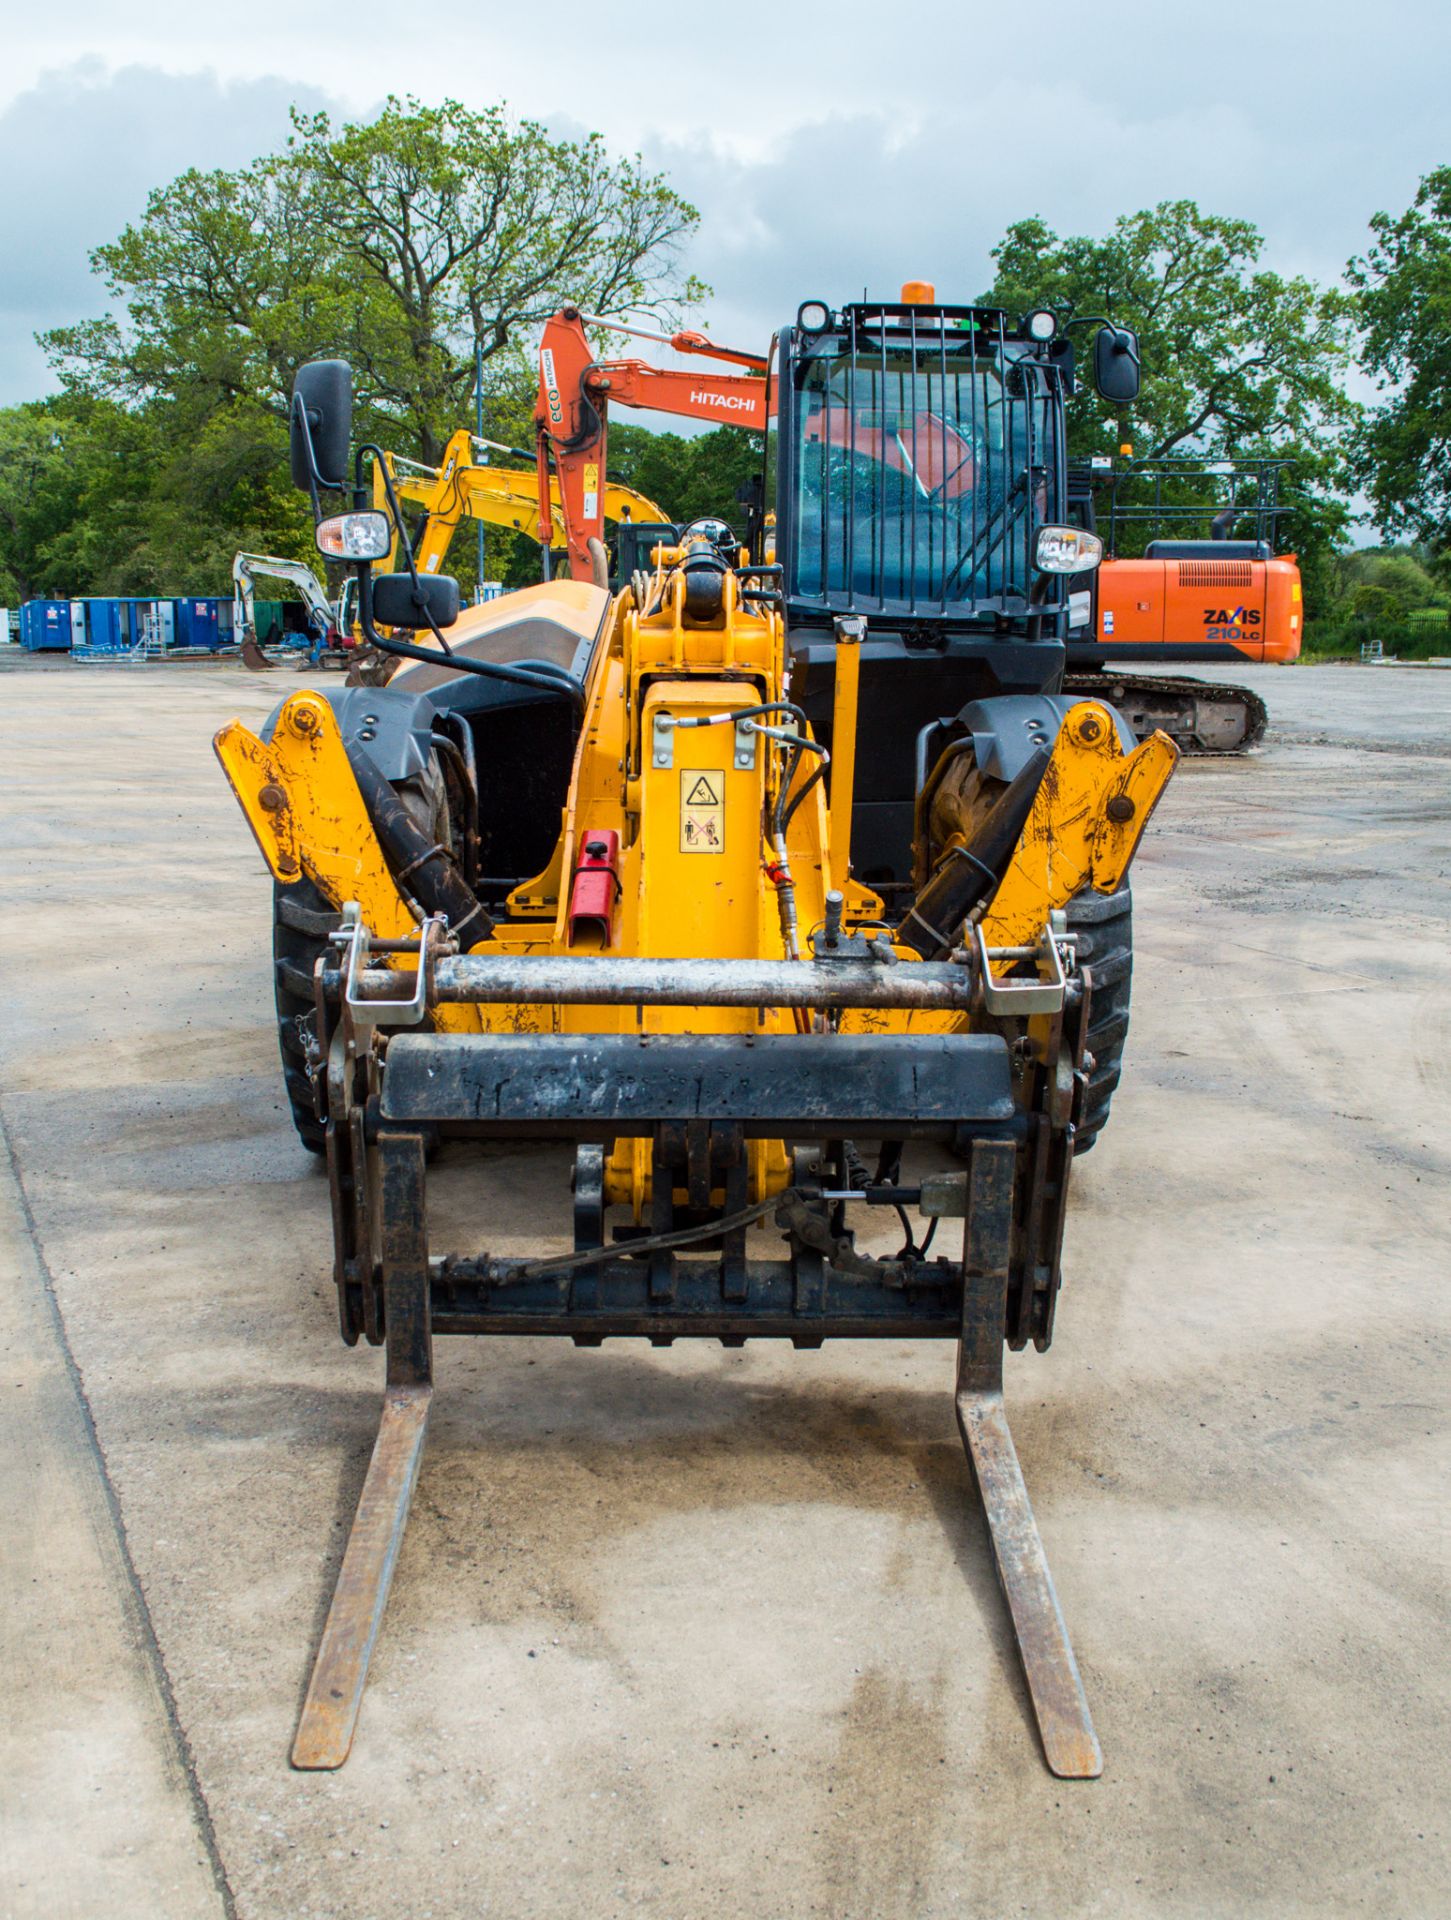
{"x":461,"y":489}
{"x":575,"y":392}
{"x":245,"y":569}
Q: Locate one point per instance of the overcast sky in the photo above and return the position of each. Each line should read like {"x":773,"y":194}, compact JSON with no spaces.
{"x":827,"y":147}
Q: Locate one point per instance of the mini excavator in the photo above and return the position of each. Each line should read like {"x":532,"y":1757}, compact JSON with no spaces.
{"x":751,"y":881}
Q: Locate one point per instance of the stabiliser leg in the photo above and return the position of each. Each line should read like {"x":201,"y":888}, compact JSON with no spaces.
{"x":1065,"y":1726}
{"x":340,"y":1673}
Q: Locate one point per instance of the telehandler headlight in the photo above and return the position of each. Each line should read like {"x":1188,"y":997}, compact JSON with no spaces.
{"x":1066,"y":550}
{"x":355,"y":536}
{"x":1042,"y":325}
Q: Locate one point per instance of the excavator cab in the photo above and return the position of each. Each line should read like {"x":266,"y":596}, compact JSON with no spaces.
{"x":634,"y":546}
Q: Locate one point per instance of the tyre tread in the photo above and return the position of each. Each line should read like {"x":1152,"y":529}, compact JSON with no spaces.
{"x":1104,"y":925}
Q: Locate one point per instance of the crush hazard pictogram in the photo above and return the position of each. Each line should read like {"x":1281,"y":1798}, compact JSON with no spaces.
{"x":702,"y":811}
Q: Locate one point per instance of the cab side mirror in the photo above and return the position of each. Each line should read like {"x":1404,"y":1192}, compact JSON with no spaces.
{"x":1116,"y":364}
{"x":400,"y":601}
{"x":321,"y":424}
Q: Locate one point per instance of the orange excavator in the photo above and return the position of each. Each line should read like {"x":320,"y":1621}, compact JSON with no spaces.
{"x":575,"y":391}
{"x":1161,"y":597}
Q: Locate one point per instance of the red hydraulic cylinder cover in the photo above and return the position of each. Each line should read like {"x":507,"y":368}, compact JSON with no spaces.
{"x":596,"y":889}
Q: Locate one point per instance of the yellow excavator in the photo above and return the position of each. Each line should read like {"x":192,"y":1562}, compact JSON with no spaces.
{"x":464,"y":487}
{"x":748,"y":881}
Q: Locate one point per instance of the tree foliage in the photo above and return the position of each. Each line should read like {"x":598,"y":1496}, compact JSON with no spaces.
{"x":1397,"y":595}
{"x":1403,"y":308}
{"x":689,"y":476}
{"x":1238,"y":361}
{"x":396,"y":243}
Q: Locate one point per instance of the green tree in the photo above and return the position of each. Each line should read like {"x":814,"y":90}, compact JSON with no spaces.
{"x":73,"y":479}
{"x":398,"y":244}
{"x":1403,"y":309}
{"x":1238,"y":361}
{"x":690,"y":476}
{"x":35,"y":466}
{"x":94,"y":499}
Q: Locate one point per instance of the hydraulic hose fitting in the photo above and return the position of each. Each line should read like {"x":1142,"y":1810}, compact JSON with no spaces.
{"x":778,"y":872}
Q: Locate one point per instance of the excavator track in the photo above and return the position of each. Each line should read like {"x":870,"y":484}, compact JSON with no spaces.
{"x":1199,"y":716}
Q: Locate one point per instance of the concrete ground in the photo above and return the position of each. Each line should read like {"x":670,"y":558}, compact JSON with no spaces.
{"x":694,"y":1633}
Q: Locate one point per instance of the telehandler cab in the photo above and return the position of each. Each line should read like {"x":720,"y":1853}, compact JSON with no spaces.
{"x":766,"y":856}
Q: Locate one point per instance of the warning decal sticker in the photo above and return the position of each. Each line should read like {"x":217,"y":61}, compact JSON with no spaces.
{"x":702,"y":811}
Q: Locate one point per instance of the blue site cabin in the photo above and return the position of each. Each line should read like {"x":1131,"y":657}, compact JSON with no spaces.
{"x":116,"y":624}
{"x":45,"y":626}
{"x":198,"y":624}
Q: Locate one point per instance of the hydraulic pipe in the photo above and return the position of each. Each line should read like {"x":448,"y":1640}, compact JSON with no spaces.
{"x":849,"y":635}
{"x":566,"y":980}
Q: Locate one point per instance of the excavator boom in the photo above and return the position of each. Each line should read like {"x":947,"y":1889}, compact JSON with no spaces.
{"x":575,"y":391}
{"x":461,"y":488}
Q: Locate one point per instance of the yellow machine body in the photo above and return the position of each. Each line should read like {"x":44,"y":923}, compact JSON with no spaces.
{"x":694,"y":992}
{"x":690,"y":804}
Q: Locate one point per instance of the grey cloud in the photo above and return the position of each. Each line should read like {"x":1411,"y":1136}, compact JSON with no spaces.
{"x":80,"y":151}
{"x":859,"y":199}
{"x":885,"y":145}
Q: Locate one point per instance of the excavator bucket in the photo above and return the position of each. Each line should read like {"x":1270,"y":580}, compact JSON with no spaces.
{"x":252,"y":655}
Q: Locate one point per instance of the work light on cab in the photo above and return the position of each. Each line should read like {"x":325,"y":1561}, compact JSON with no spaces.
{"x":355,"y":536}
{"x":1066,"y":550}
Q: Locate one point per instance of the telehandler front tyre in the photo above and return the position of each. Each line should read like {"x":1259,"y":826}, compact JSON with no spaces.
{"x":302,"y":919}
{"x":1104,"y":924}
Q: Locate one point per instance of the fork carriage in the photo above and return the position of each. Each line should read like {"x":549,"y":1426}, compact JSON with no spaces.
{"x":684,"y":1273}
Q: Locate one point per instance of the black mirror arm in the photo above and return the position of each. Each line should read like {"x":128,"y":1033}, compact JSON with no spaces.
{"x":1101,"y":320}
{"x":315,"y":478}
{"x":396,"y":509}
{"x":547,"y":679}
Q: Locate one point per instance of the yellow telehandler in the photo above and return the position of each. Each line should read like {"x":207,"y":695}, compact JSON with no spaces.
{"x":742,"y":880}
